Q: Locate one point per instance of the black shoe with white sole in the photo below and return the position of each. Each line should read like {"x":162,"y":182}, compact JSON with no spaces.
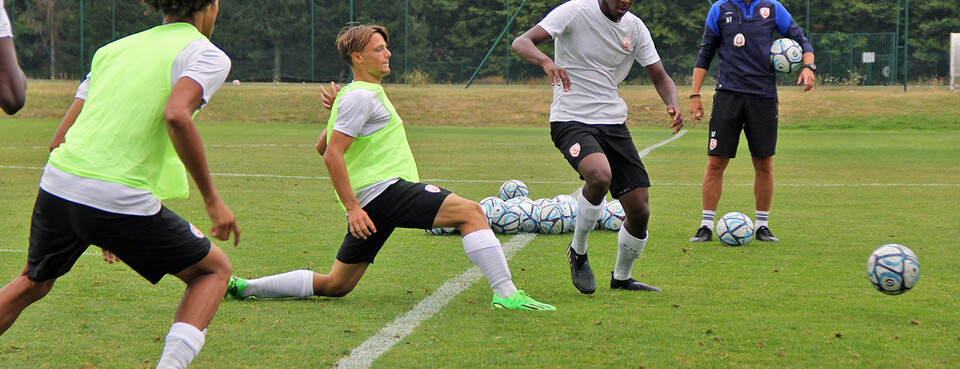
{"x":764,"y":234}
{"x":704,"y":234}
{"x":630,"y":285}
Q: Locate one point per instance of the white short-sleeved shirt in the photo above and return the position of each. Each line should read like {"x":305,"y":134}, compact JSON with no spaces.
{"x":200,"y":61}
{"x":597,"y":54}
{"x":360,"y":113}
{"x":5,"y":29}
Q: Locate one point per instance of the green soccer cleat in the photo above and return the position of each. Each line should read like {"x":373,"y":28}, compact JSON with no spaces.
{"x":235,"y":288}
{"x":519,"y":301}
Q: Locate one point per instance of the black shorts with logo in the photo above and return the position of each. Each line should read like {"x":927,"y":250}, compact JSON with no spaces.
{"x":734,"y":112}
{"x":405,"y":205}
{"x":154,"y":245}
{"x":577,"y":140}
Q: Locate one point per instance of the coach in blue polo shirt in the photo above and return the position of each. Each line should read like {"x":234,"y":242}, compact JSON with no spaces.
{"x":741,"y":31}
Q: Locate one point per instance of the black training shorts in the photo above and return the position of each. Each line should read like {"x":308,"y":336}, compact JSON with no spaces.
{"x":577,"y":140}
{"x":734,"y":112}
{"x":154,"y":245}
{"x":403,"y":204}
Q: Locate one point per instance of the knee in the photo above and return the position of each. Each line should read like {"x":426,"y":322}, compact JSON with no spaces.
{"x":640,"y":213}
{"x":597,"y":177}
{"x":33,"y":291}
{"x":219,"y":266}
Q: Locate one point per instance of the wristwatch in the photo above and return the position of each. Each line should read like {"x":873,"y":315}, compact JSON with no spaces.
{"x":812,"y":66}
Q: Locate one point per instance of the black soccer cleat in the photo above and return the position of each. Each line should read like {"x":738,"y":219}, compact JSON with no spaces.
{"x":704,"y":234}
{"x":763,"y":234}
{"x":580,"y":272}
{"x":631,"y":285}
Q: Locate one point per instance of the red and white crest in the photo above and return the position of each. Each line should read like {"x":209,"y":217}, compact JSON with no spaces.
{"x":626,"y":43}
{"x":713,"y":143}
{"x":764,"y":12}
{"x":196,"y":231}
{"x":431,"y":188}
{"x":575,"y":150}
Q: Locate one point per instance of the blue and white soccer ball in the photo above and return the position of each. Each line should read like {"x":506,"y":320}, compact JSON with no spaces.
{"x":529,"y":215}
{"x":570,"y":214}
{"x":508,"y":222}
{"x":565,"y":198}
{"x":735,"y":229}
{"x":541,"y":202}
{"x":893,"y":269}
{"x":786,"y":55}
{"x":446,"y":231}
{"x":552,"y":219}
{"x":613,"y":215}
{"x":513,"y":188}
{"x":492,"y":208}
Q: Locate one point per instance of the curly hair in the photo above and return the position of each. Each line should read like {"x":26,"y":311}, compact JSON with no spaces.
{"x":177,"y":8}
{"x":354,"y":38}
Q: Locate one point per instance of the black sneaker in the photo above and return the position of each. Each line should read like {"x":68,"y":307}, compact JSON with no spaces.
{"x":704,"y":234}
{"x":631,"y":285}
{"x":763,"y":234}
{"x":580,"y":272}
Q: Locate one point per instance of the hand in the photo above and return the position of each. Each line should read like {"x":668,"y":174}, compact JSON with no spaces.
{"x":224,"y":222}
{"x":677,"y":116}
{"x":109,"y":257}
{"x":807,"y":78}
{"x":696,"y":109}
{"x":360,"y":224}
{"x":558,"y":75}
{"x":327,"y":97}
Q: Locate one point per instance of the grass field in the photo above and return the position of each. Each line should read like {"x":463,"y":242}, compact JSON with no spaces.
{"x":802,"y":303}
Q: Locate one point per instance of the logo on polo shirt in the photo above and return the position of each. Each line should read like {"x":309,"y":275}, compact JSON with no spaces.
{"x":196,"y":231}
{"x":626,"y":43}
{"x":575,"y":150}
{"x":432,"y":188}
{"x":764,"y":12}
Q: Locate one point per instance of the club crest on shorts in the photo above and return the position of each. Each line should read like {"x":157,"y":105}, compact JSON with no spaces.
{"x":713,"y":143}
{"x":575,"y":150}
{"x":764,"y":12}
{"x":431,"y":188}
{"x":626,"y":43}
{"x":196,"y":231}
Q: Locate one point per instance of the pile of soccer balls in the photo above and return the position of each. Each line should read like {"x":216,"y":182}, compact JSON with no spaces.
{"x":513,"y":212}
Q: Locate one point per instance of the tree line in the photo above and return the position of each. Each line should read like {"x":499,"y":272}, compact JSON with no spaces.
{"x":439,"y":40}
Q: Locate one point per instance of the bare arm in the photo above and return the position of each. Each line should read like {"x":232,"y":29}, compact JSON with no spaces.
{"x":696,"y":105}
{"x":322,"y":143}
{"x":13,"y":83}
{"x":185,"y":99}
{"x":526,"y":47}
{"x":668,"y":93}
{"x":806,"y":75}
{"x":71,"y":117}
{"x":359,"y":222}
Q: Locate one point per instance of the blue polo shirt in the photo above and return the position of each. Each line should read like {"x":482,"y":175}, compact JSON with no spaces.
{"x":747,"y":69}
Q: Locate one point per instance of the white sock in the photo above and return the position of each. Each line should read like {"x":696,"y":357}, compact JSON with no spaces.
{"x":587,"y":215}
{"x":629,"y":250}
{"x":183,"y":343}
{"x":762,"y":218}
{"x":707,"y":219}
{"x":298,"y":283}
{"x":483,"y":248}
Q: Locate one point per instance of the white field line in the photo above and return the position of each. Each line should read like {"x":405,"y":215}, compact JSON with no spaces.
{"x":381,"y":342}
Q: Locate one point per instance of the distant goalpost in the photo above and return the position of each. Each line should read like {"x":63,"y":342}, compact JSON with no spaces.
{"x":954,"y":60}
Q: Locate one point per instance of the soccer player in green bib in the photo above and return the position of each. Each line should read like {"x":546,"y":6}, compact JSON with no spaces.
{"x":375,"y":177}
{"x":124,"y":145}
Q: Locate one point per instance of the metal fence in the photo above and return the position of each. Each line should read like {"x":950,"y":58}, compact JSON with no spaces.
{"x":856,"y":58}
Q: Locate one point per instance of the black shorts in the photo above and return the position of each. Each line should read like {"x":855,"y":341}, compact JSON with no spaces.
{"x":577,"y":140}
{"x":755,"y":116}
{"x":154,"y":245}
{"x":403,"y":204}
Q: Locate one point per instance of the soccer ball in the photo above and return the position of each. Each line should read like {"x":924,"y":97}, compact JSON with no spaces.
{"x":492,"y":208}
{"x":893,"y":269}
{"x":513,"y":188}
{"x":569,"y":213}
{"x":552,"y":219}
{"x":442,"y":231}
{"x":529,"y":215}
{"x":786,"y":55}
{"x":735,"y":229}
{"x":612,"y":218}
{"x":565,"y":198}
{"x":236,"y":82}
{"x":508,"y":222}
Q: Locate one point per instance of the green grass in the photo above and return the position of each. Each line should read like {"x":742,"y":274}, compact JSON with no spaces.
{"x":802,"y":303}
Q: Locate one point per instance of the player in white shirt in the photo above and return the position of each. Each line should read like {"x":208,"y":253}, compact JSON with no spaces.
{"x":596,"y":43}
{"x":13,"y":83}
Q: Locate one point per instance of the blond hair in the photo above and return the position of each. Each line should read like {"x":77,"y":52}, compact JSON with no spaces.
{"x":354,"y":38}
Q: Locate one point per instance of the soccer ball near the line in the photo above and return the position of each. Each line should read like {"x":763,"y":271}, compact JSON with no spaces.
{"x":508,"y":222}
{"x":492,"y":208}
{"x":513,"y":188}
{"x":893,"y":269}
{"x":613,"y":215}
{"x":735,"y":229}
{"x":529,"y":215}
{"x":786,"y":55}
{"x":552,"y":219}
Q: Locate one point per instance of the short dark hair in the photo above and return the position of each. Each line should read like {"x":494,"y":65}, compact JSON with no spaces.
{"x":177,"y":8}
{"x":354,"y":38}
